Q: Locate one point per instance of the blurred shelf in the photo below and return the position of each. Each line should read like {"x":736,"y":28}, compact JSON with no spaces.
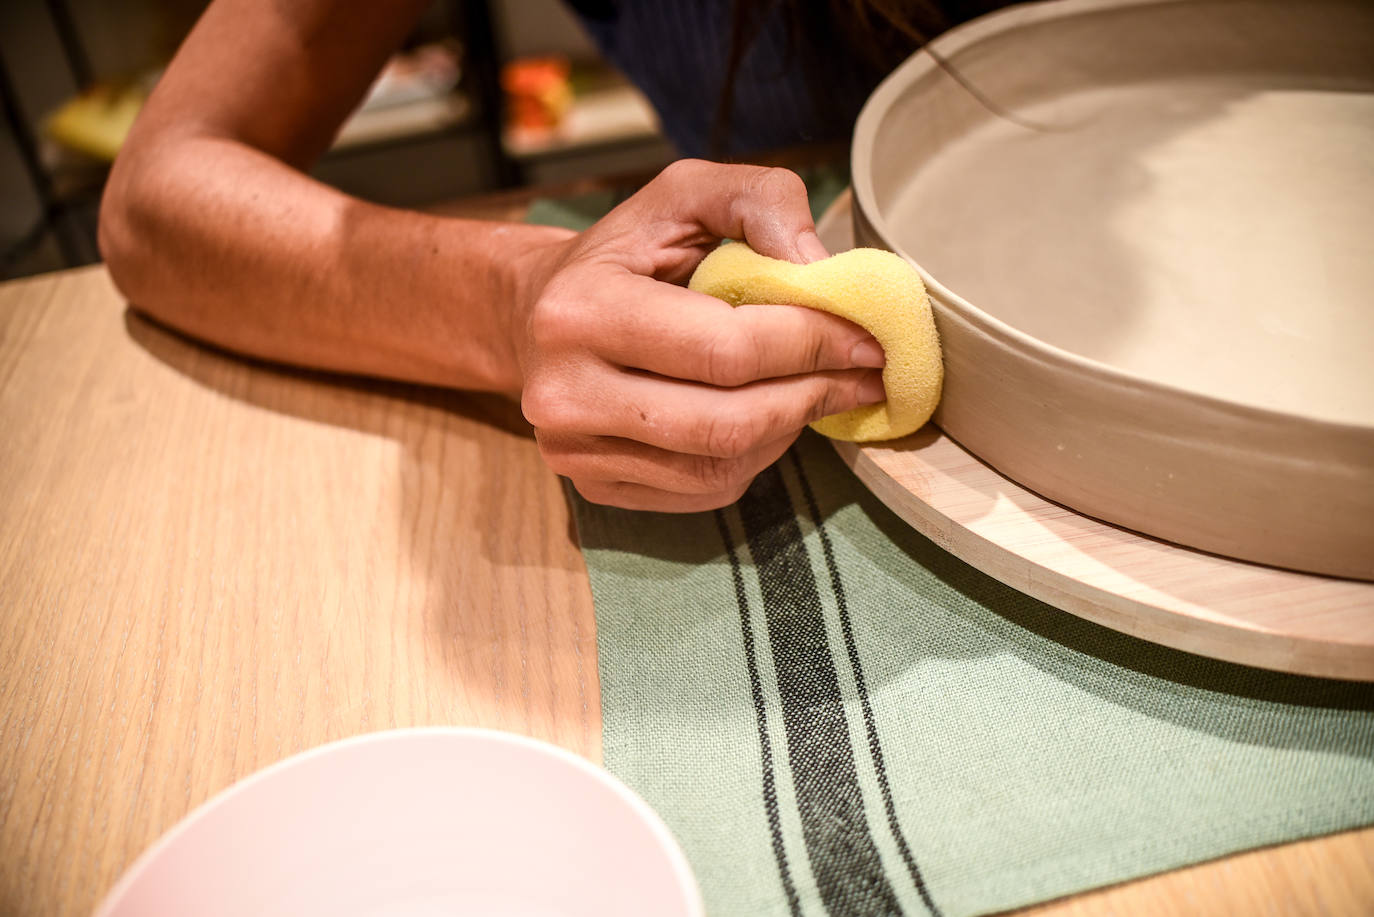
{"x":405,"y":121}
{"x":607,"y":115}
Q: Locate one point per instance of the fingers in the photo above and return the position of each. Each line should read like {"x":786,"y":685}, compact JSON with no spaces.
{"x":650,"y":396}
{"x":649,"y":499}
{"x":766,"y":207}
{"x":675,"y":332}
{"x":688,"y":417}
{"x":637,"y":476}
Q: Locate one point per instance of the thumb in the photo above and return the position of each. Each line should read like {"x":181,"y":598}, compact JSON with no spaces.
{"x":765,"y":207}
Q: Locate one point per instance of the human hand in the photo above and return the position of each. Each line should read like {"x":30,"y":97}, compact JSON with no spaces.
{"x":650,"y":396}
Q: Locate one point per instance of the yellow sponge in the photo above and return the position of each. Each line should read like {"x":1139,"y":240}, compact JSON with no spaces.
{"x":870,"y":287}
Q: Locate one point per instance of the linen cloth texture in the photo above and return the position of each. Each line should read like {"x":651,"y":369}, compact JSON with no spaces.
{"x":836,"y":716}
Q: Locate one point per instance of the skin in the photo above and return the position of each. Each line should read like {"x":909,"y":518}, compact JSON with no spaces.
{"x":644,"y":394}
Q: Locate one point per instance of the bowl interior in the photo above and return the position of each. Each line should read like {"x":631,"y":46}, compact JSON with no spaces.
{"x":417,"y":822}
{"x":1194,"y":204}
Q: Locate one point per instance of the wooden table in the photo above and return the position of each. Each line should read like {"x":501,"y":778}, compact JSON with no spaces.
{"x":207,"y":565}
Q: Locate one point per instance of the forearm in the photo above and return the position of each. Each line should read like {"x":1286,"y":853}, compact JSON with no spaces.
{"x":233,"y":246}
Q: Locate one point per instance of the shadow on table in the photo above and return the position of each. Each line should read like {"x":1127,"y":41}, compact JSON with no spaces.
{"x":335,"y":398}
{"x":1124,"y":670}
{"x":919,"y":604}
{"x":470,"y":475}
{"x":406,"y":413}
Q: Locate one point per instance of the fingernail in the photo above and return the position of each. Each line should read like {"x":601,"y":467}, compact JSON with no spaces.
{"x":868,"y":352}
{"x":810,"y":246}
{"x":871,"y":389}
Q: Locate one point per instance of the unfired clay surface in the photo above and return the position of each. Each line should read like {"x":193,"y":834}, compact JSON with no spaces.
{"x":1205,"y":234}
{"x":1190,"y":600}
{"x":1158,"y":307}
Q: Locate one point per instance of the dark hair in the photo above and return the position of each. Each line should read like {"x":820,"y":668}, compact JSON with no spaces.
{"x":878,"y":34}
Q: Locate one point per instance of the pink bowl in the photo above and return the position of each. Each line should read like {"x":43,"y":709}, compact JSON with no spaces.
{"x":416,"y":823}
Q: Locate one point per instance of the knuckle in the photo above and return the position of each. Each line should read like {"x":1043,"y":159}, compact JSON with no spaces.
{"x":552,"y":451}
{"x":603,"y":493}
{"x":712,"y":502}
{"x":726,"y":496}
{"x":815,"y":351}
{"x":717,"y":475}
{"x":733,"y":494}
{"x":727,"y":437}
{"x":680,"y":171}
{"x":731,"y":360}
{"x":554,"y":319}
{"x":779,"y":185}
{"x":834,"y":397}
{"x":559,"y":464}
{"x":542,"y":402}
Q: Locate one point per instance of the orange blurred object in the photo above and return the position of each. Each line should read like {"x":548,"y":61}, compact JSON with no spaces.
{"x":538,"y":91}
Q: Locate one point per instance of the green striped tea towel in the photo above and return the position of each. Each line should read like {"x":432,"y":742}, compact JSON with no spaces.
{"x":835,"y":716}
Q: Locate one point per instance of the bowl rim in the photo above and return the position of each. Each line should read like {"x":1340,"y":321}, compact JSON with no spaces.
{"x":866,"y":131}
{"x":667,"y":842}
{"x":1221,"y":473}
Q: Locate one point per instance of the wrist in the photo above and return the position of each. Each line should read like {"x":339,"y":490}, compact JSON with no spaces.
{"x":540,"y":252}
{"x":467,"y":322}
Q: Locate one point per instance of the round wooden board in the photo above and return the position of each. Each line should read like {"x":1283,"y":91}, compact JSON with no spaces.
{"x":1201,"y":603}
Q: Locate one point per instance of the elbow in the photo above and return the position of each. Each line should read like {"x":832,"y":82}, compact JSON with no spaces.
{"x":117,"y":233}
{"x":122,"y":239}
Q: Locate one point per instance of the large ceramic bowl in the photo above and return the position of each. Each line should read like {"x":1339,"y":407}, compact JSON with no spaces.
{"x":417,"y":823}
{"x":1153,"y":266}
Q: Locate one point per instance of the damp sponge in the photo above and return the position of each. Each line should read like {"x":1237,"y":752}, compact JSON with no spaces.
{"x":868,"y":286}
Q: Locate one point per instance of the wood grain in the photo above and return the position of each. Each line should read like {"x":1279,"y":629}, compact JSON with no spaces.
{"x":1201,"y":603}
{"x":1115,"y":344}
{"x":1331,"y":876}
{"x":207,"y":565}
{"x":1186,"y":599}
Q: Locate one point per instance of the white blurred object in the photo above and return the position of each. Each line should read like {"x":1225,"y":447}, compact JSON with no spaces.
{"x":427,"y":72}
{"x":417,"y":822}
{"x":415,"y":94}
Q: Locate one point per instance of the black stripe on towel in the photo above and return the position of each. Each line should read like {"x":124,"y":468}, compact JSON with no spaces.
{"x":770,"y":794}
{"x":870,"y":725}
{"x":844,"y":858}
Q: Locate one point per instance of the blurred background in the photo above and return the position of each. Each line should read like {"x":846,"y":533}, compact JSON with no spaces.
{"x":485,"y":95}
